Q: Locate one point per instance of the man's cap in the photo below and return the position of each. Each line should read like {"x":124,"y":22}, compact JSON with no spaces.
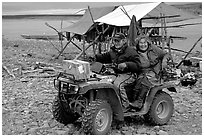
{"x":118,"y":36}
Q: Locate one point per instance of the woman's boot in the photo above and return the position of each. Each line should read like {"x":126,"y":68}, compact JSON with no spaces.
{"x":138,"y":103}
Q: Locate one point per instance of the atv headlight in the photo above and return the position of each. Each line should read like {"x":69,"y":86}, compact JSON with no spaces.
{"x":73,"y":87}
{"x":56,"y":84}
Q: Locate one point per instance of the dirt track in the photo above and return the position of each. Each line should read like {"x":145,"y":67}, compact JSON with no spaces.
{"x":26,"y":102}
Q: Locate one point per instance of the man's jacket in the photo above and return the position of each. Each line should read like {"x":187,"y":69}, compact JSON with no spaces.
{"x":126,"y":55}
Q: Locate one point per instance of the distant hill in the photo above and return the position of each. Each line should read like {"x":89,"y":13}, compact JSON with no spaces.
{"x":195,"y":8}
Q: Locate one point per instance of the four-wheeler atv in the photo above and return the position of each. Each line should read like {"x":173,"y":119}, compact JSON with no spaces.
{"x":92,"y":98}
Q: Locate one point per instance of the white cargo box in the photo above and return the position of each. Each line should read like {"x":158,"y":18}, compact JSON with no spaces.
{"x":80,"y":69}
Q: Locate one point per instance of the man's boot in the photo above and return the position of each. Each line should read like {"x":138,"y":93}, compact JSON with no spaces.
{"x":137,"y":103}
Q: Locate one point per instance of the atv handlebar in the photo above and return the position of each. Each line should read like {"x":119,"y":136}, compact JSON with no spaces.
{"x":110,"y":69}
{"x":111,"y":65}
{"x":100,"y":68}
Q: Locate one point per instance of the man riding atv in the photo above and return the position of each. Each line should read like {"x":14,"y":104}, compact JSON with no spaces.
{"x":94,"y":98}
{"x":127,"y":60}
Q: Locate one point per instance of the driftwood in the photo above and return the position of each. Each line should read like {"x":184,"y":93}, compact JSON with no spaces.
{"x":29,"y":71}
{"x":49,"y":69}
{"x":42,"y":70}
{"x":9,"y":72}
{"x":19,"y":70}
{"x":42,"y":65}
{"x":196,"y":58}
{"x":42,"y":76}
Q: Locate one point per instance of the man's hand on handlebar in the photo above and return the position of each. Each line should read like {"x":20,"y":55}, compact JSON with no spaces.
{"x":122,"y":66}
{"x":91,"y":58}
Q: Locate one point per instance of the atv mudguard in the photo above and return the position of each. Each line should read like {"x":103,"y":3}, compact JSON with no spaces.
{"x":152,"y":92}
{"x":105,"y":91}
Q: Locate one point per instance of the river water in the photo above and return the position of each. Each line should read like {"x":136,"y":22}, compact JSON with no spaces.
{"x":13,"y":28}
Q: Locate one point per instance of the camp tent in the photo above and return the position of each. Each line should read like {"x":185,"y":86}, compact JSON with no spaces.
{"x":117,"y":17}
{"x":141,"y":11}
{"x":149,"y":13}
{"x":84,"y":24}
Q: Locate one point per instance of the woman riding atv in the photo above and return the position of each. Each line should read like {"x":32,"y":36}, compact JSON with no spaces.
{"x":152,"y":59}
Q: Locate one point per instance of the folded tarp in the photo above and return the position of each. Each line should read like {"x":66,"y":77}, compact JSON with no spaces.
{"x":83,"y":25}
{"x":147,"y":10}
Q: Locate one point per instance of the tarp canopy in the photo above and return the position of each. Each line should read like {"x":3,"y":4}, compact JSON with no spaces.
{"x":119,"y":18}
{"x":83,"y":25}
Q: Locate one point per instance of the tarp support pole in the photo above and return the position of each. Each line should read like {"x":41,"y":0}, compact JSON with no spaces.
{"x":61,"y":35}
{"x":52,"y":44}
{"x":169,"y":48}
{"x":83,"y":37}
{"x":125,"y":12}
{"x":76,"y":45}
{"x":93,"y":20}
{"x":65,"y":47}
{"x":84,"y":49}
{"x":162,"y":31}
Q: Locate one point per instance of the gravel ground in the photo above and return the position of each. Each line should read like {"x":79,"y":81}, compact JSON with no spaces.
{"x":26,"y":102}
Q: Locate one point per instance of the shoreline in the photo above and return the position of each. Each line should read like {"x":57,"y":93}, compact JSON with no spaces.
{"x":40,"y":16}
{"x":35,"y":25}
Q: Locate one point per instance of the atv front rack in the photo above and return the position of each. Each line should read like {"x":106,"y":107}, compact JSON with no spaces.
{"x":66,"y":76}
{"x":65,"y":83}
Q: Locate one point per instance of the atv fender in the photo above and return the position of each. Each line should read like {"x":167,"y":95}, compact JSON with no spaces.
{"x":106,"y":91}
{"x":152,"y":92}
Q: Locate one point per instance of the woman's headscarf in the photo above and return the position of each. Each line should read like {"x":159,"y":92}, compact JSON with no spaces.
{"x":142,"y":37}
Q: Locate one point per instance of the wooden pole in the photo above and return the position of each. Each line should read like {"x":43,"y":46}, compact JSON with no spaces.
{"x":162,"y":31}
{"x":125,"y":12}
{"x":93,"y":20}
{"x":87,"y":47}
{"x":173,"y":16}
{"x":189,"y":51}
{"x":60,"y":36}
{"x":52,"y":44}
{"x":76,"y":45}
{"x":92,"y":43}
{"x":176,"y":50}
{"x":65,"y":46}
{"x":167,"y":40}
{"x":83,"y":37}
{"x":169,"y":48}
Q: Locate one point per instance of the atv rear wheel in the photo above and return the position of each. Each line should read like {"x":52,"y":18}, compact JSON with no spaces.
{"x":61,"y":114}
{"x":161,"y":109}
{"x":97,"y":118}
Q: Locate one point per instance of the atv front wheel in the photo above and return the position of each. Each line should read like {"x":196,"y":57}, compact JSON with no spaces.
{"x":61,"y":114}
{"x":161,"y":109}
{"x":97,"y":118}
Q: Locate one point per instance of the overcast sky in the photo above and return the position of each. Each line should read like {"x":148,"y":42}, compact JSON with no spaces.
{"x":11,"y":6}
{"x":31,"y":6}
